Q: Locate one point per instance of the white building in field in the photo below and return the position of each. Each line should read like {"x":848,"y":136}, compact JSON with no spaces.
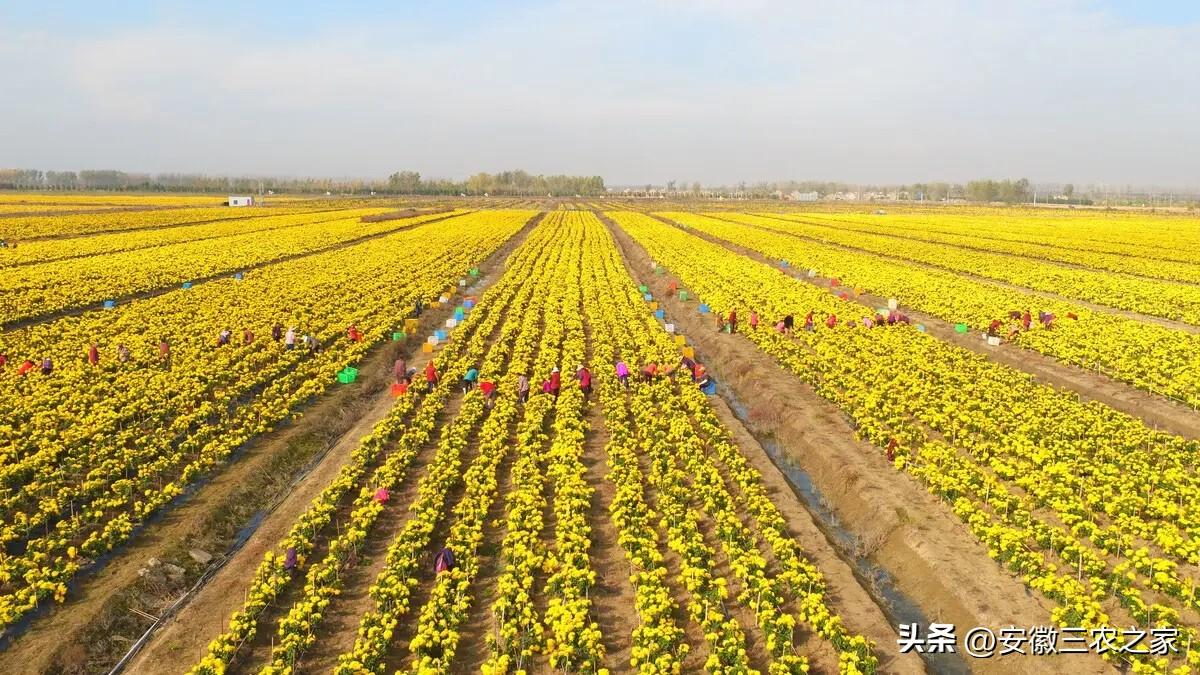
{"x":797,"y":196}
{"x":241,"y":201}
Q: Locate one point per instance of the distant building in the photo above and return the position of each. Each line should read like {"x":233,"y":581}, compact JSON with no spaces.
{"x":798,"y":196}
{"x":240,"y":201}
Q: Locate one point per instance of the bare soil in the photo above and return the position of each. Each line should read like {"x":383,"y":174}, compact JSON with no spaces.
{"x":613,"y":596}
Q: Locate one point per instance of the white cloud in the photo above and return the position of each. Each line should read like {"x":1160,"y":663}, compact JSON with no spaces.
{"x":719,"y":91}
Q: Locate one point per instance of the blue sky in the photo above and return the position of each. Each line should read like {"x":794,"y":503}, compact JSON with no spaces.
{"x":645,"y":91}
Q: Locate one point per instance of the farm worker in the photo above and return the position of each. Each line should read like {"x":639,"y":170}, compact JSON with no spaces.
{"x":314,"y":345}
{"x":720,"y":322}
{"x":649,"y":371}
{"x":700,"y":375}
{"x":469,"y":379}
{"x":25,"y":367}
{"x":354,"y":333}
{"x":122,"y":353}
{"x":290,"y":559}
{"x":400,"y":370}
{"x":247,"y":336}
{"x":1048,"y":320}
{"x":831,"y":321}
{"x":585,"y":380}
{"x":431,"y":376}
{"x":545,"y":386}
{"x":223,"y":337}
{"x":789,"y":322}
{"x":382,"y":495}
{"x":488,"y":388}
{"x":892,"y":318}
{"x":623,"y":373}
{"x":808,"y":321}
{"x":780,"y":328}
{"x":994,"y":327}
{"x":689,"y":364}
{"x":1073,"y":316}
{"x":867,"y":322}
{"x":672,"y":287}
{"x":443,"y":561}
{"x":732,"y":321}
{"x":1015,"y":315}
{"x":164,"y":350}
{"x":3,"y":360}
{"x":93,"y":355}
{"x":523,"y":388}
{"x":891,"y":449}
{"x":47,"y":366}
{"x":555,"y":381}
{"x":417,"y":308}
{"x":277,"y":332}
{"x":289,"y":338}
{"x":753,"y":320}
{"x":1026,"y":319}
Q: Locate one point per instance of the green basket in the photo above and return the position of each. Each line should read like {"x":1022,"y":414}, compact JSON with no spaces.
{"x":398,"y":336}
{"x":643,"y":288}
{"x":683,"y":295}
{"x":960,"y":328}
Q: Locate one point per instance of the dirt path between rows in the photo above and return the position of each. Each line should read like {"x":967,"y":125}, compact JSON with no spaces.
{"x":613,"y":598}
{"x":161,"y":290}
{"x":1156,"y":411}
{"x":932,"y":556}
{"x":97,"y":617}
{"x":1095,"y":307}
{"x":843,"y":588}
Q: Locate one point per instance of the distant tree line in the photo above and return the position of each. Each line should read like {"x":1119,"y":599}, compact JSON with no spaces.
{"x":509,"y":183}
{"x":402,"y":182}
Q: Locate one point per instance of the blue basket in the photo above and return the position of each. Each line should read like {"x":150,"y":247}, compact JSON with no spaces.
{"x":441,"y":334}
{"x":647,"y":297}
{"x":703,"y":309}
{"x":187,"y":285}
{"x":660,"y":314}
{"x":109,"y":304}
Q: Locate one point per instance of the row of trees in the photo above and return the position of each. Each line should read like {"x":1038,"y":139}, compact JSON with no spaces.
{"x":516,"y":183}
{"x":108,"y":179}
{"x":510,"y":183}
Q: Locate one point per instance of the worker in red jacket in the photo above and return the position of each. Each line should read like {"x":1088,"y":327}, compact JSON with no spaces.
{"x":93,"y":355}
{"x":831,"y":321}
{"x":555,"y":382}
{"x":431,"y":376}
{"x":585,"y":380}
